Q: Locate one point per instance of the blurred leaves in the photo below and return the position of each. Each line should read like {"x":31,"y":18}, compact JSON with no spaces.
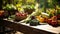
{"x":30,"y":1}
{"x":9,"y":7}
{"x":43,"y":3}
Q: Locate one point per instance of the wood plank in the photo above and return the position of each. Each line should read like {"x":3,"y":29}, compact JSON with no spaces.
{"x":24,"y":29}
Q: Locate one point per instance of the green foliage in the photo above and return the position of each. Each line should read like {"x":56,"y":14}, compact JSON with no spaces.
{"x":30,"y":6}
{"x":30,"y":1}
{"x":9,"y":7}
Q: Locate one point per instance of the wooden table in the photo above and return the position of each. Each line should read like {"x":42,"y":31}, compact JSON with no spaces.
{"x":27,"y":29}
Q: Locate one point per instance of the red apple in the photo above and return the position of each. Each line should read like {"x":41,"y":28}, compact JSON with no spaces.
{"x":58,"y":16}
{"x":49,"y":21}
{"x":54,"y":22}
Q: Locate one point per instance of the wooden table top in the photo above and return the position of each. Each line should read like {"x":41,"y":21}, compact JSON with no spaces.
{"x":46,"y":27}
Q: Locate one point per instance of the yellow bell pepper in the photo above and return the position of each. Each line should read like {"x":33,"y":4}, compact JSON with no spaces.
{"x":39,"y":18}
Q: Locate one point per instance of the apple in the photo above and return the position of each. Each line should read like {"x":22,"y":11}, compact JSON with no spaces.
{"x":49,"y":21}
{"x":54,"y":23}
{"x":58,"y":16}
